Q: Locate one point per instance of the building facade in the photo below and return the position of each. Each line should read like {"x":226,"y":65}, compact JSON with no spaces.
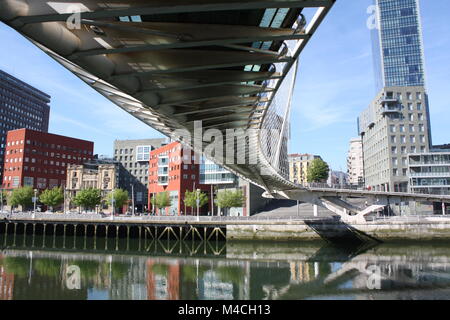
{"x":134,"y":155}
{"x":219,"y":179}
{"x":337,"y":179}
{"x":397,"y":122}
{"x":355,"y":163}
{"x":298,"y":167}
{"x":173,"y":170}
{"x":40,"y":159}
{"x":99,"y":174}
{"x":21,"y":106}
{"x":429,"y":172}
{"x":176,"y":170}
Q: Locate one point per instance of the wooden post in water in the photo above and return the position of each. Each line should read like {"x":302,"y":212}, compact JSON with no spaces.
{"x":140,"y":233}
{"x":85,"y":235}
{"x":24,"y":234}
{"x":6,"y":234}
{"x":54,"y":235}
{"x":75,"y":235}
{"x":43,"y":235}
{"x":117,"y":237}
{"x":64,"y":236}
{"x":34,"y":231}
{"x":15,"y":230}
{"x":106,"y":237}
{"x":95,"y":237}
{"x":128,"y":238}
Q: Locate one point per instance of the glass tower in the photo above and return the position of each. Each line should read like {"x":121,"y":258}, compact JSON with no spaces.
{"x":398,"y":46}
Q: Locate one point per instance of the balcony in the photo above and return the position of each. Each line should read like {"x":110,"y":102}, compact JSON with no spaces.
{"x":429,"y":174}
{"x":388,"y":100}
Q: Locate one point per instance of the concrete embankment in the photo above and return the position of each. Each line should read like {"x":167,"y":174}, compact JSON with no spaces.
{"x":332,"y":230}
{"x":230,"y":228}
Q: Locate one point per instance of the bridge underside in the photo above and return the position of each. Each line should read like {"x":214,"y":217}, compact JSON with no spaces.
{"x":172,"y":63}
{"x":230,"y":64}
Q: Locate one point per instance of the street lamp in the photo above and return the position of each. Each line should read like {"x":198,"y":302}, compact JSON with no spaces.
{"x":34,"y":200}
{"x":197,"y":200}
{"x":132,"y":197}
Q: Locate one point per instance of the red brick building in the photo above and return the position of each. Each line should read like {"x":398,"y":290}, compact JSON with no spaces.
{"x":175,"y":172}
{"x":39,"y":159}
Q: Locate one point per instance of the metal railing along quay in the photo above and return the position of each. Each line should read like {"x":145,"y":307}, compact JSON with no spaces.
{"x":89,"y":217}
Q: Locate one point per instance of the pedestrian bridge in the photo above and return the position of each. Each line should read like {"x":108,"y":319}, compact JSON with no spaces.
{"x":188,"y":66}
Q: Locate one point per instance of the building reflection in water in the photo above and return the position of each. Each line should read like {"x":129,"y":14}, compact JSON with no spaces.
{"x":268,"y":272}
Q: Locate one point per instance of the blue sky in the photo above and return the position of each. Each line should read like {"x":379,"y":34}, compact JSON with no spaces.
{"x":334,"y":83}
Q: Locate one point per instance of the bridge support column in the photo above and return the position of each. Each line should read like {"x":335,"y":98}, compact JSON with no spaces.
{"x":316,"y":210}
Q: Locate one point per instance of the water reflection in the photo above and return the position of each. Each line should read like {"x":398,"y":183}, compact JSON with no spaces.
{"x":261,"y":271}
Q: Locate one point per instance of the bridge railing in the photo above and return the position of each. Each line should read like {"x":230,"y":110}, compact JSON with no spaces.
{"x":150,"y":218}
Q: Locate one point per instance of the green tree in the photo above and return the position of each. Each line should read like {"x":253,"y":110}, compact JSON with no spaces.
{"x":230,"y":199}
{"x":52,"y":197}
{"x":161,"y":200}
{"x":4,"y":195}
{"x":190,"y":199}
{"x":317,"y":171}
{"x":21,"y":197}
{"x":120,"y":198}
{"x":88,"y":198}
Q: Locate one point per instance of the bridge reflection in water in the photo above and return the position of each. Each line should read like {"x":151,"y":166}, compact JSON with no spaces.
{"x":171,"y":270}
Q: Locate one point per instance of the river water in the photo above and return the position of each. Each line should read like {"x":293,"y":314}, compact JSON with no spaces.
{"x":93,"y":269}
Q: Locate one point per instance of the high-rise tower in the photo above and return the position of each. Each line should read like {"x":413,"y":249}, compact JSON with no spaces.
{"x":397,"y":122}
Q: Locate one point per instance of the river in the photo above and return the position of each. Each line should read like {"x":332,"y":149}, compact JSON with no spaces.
{"x":93,"y":269}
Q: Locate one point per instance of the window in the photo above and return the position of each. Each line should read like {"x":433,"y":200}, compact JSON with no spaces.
{"x":393,"y":139}
{"x":419,"y":96}
{"x":410,"y":107}
{"x":412,"y":139}
{"x":409,"y":95}
{"x":392,"y":128}
{"x":402,"y":128}
{"x":421,"y":128}
{"x":420,"y":116}
{"x":419,"y":106}
{"x":411,"y":128}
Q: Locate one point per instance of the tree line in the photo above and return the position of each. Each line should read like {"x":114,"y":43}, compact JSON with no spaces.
{"x":197,"y":199}
{"x":90,"y":198}
{"x":87,"y":198}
